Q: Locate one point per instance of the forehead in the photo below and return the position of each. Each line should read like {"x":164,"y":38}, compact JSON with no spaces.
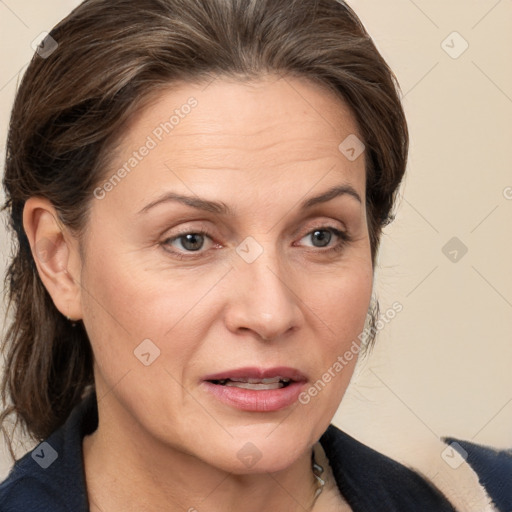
{"x":272,"y":129}
{"x":247,"y":112}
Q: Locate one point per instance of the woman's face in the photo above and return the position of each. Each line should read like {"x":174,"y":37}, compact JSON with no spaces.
{"x":277,"y":288}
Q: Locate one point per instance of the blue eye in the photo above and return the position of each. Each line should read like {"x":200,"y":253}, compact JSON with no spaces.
{"x":324,"y":236}
{"x":193,"y":241}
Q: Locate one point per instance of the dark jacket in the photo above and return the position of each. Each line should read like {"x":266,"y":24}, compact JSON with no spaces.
{"x":493,"y":467}
{"x":51,"y":477}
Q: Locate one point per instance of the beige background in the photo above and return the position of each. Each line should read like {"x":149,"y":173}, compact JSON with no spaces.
{"x":442,"y":366}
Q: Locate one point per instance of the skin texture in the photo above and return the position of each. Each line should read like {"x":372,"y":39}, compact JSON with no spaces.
{"x":263,"y":147}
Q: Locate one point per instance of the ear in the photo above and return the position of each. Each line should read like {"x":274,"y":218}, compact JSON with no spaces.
{"x":56,"y":255}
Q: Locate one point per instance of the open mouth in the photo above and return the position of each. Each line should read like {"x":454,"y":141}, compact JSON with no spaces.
{"x":256,"y":389}
{"x":254,"y":384}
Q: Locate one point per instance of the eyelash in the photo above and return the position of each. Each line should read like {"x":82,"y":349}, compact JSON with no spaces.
{"x":344,"y":239}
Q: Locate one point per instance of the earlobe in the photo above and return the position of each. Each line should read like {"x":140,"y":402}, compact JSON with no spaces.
{"x":55,"y":256}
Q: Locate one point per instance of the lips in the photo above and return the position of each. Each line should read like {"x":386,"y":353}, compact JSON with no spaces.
{"x":256,"y":389}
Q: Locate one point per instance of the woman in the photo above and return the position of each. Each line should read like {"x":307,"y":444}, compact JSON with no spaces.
{"x":198,"y":190}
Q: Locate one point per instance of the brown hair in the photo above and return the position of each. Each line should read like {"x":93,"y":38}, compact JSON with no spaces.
{"x":71,"y":108}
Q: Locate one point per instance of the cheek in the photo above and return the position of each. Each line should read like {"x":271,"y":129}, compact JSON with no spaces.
{"x":341,"y":301}
{"x":116,"y":308}
{"x":125,"y":304}
{"x":340,"y":306}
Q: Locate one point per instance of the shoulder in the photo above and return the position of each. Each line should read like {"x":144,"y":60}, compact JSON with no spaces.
{"x":51,"y":476}
{"x":493,"y":467}
{"x":32,"y":485}
{"x":375,"y":481}
{"x":28,"y":494}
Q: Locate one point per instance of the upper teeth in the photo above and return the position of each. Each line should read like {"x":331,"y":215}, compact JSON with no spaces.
{"x":271,"y":380}
{"x":255,"y":384}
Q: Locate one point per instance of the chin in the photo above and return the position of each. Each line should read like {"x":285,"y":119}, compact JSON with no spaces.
{"x":263,"y":448}
{"x":260,"y":456}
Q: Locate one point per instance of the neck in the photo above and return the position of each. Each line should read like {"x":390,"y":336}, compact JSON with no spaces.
{"x":126,"y":475}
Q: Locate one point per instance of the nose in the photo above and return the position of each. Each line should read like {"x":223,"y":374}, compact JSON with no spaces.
{"x":263,"y":299}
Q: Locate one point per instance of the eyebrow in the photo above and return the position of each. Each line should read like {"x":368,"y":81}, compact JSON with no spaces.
{"x":222,"y":208}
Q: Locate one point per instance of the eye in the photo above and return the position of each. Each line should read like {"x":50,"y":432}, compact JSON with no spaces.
{"x":186,"y":242}
{"x":323,"y":235}
{"x":192,"y":241}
